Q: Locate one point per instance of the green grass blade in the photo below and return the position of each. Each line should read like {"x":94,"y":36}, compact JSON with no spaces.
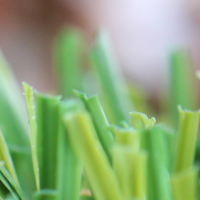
{"x":183,"y":90}
{"x":84,"y":141}
{"x":170,"y":137}
{"x":69,"y":167}
{"x":153,"y":141}
{"x":101,"y":124}
{"x":6,"y":157}
{"x":100,"y":121}
{"x":113,"y":86}
{"x":11,"y":105}
{"x":187,"y":137}
{"x":7,"y":180}
{"x":185,"y":185}
{"x":45,"y":194}
{"x":68,"y":60}
{"x":48,"y":123}
{"x":30,"y":103}
{"x":14,"y":126}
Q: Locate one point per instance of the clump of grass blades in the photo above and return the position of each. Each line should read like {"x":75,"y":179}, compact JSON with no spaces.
{"x":75,"y":147}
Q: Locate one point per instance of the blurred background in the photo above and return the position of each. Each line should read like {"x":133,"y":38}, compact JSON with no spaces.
{"x":143,"y":34}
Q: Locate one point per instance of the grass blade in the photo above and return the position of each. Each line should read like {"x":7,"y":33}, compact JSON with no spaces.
{"x":6,"y":157}
{"x":68,"y":60}
{"x":183,"y":91}
{"x":83,"y":139}
{"x":100,"y":121}
{"x":130,"y":168}
{"x":185,"y":185}
{"x":9,"y":183}
{"x":153,"y":141}
{"x":30,"y":103}
{"x":46,"y":194}
{"x":69,"y":167}
{"x":14,"y":126}
{"x":48,"y":124}
{"x":113,"y":86}
{"x":187,"y":137}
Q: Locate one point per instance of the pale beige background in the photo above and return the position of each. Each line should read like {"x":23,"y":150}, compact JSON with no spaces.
{"x":143,"y":33}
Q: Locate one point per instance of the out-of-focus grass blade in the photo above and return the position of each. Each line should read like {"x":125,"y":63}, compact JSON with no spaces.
{"x":14,"y":126}
{"x":69,"y":167}
{"x":185,"y":184}
{"x":45,"y":194}
{"x":101,"y":124}
{"x":187,"y":137}
{"x":13,"y":114}
{"x":170,"y":137}
{"x":153,"y":141}
{"x":85,"y":143}
{"x":48,"y":124}
{"x":140,"y":120}
{"x":183,"y":91}
{"x":68,"y":61}
{"x":5,"y":156}
{"x":126,"y":136}
{"x":115,"y":92}
{"x":30,"y":103}
{"x":130,"y":168}
{"x":9,"y":184}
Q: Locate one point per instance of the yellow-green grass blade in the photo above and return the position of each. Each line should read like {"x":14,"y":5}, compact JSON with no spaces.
{"x":182,"y":85}
{"x":69,"y":167}
{"x":186,"y":141}
{"x":113,"y":86}
{"x":68,"y":50}
{"x":94,"y":107}
{"x":30,"y":103}
{"x":140,"y":120}
{"x":185,"y":184}
{"x":6,"y":157}
{"x":126,"y":136}
{"x":84,"y":141}
{"x":130,"y":167}
{"x":48,"y":124}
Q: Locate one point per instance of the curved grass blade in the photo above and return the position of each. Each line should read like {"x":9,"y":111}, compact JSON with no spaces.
{"x":140,"y":120}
